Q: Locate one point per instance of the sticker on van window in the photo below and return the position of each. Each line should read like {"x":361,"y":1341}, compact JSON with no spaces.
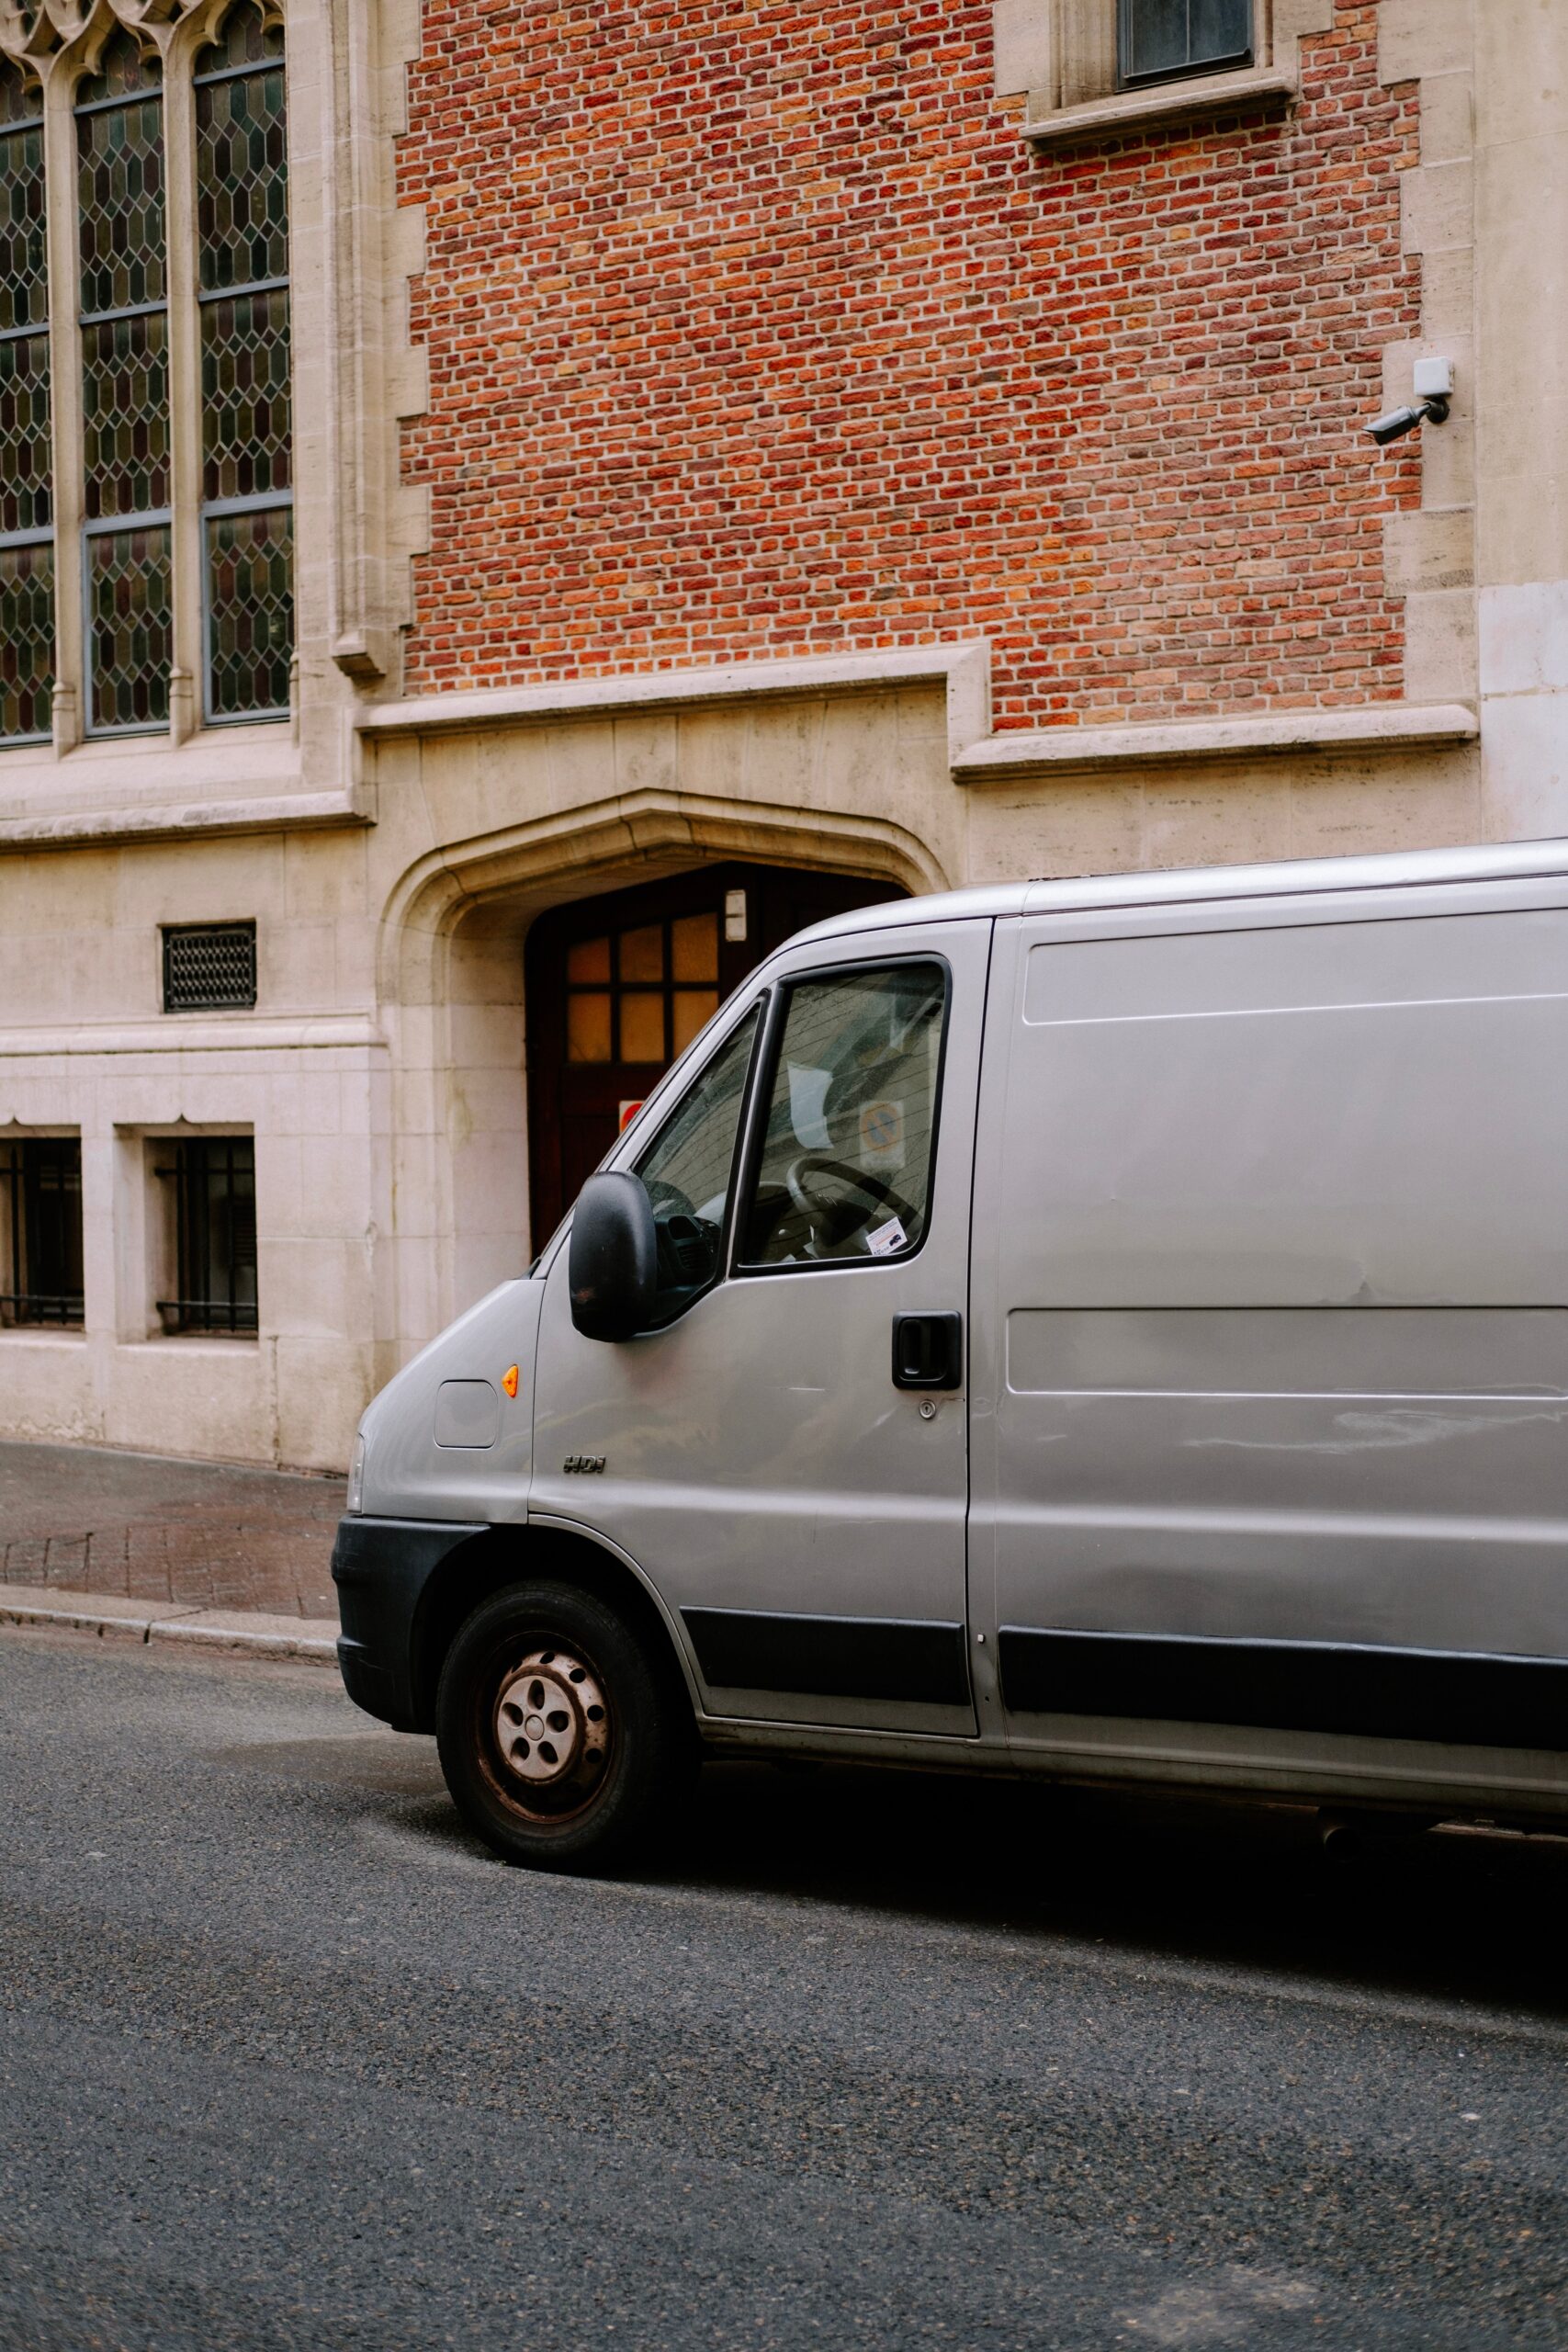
{"x":807,"y":1103}
{"x":884,"y":1239}
{"x":882,"y":1135}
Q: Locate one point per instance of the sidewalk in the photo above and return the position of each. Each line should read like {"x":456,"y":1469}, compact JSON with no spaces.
{"x":164,"y":1539}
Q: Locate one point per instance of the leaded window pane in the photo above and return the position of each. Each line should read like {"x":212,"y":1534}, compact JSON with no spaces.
{"x":125,"y":388}
{"x":241,"y":176}
{"x":26,"y":641}
{"x":25,"y":501}
{"x":120,"y":184}
{"x":125,"y":414}
{"x":245,"y":393}
{"x":24,"y":276}
{"x":242,"y":275}
{"x":130,"y":627}
{"x":250,"y":620}
{"x":27,"y":506}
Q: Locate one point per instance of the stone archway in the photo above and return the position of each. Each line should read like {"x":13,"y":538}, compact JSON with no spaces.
{"x":451,"y":984}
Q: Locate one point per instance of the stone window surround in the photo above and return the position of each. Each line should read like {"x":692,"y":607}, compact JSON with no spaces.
{"x":1061,"y":55}
{"x":355,"y":378}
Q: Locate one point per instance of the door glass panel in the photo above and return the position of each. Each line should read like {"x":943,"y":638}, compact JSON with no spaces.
{"x":691,"y":1008}
{"x":694,"y":947}
{"x":588,"y":960}
{"x":846,"y":1162}
{"x":642,"y":952}
{"x":687,"y":1171}
{"x":642,"y":1028}
{"x":588,"y":1026}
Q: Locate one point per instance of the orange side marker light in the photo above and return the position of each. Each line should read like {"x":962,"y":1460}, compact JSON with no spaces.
{"x":509,"y":1380}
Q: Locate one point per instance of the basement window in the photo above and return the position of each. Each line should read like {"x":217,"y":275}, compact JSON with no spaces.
{"x":213,"y":1185}
{"x":40,"y":1177}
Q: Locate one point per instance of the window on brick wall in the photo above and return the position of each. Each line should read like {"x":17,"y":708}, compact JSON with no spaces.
{"x":40,"y":1229}
{"x":173,"y":424}
{"x":1159,"y":41}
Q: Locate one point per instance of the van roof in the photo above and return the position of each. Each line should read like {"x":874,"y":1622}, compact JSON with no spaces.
{"x":1287,"y":878}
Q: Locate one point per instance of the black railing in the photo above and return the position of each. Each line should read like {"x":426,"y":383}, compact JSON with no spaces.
{"x":237,"y":1315}
{"x":39,"y":1307}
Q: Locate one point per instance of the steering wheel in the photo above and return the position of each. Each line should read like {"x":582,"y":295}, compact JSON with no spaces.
{"x":815,"y":1210}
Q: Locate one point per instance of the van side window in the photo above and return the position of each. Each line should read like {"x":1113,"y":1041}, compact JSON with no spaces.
{"x":845,"y":1166}
{"x":687,"y":1171}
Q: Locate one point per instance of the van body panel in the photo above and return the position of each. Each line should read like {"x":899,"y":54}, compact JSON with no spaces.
{"x":1271,"y":1232}
{"x":425,"y":1452}
{"x":757,"y":1459}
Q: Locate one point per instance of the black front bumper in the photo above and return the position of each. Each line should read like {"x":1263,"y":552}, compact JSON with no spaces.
{"x":381,"y":1569}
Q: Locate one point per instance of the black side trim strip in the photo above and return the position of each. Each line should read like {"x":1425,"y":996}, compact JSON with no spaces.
{"x":1462,"y":1700}
{"x":831,"y":1657}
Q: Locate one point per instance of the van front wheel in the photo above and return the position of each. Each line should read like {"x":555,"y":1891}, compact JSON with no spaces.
{"x":558,"y":1741}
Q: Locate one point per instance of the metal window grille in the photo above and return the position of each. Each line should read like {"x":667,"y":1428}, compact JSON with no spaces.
{"x":209,"y":967}
{"x":42,"y":1180}
{"x":1159,"y":40}
{"x":215,"y":1236}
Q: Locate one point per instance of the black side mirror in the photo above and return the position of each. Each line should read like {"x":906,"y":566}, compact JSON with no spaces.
{"x":612,"y":1265}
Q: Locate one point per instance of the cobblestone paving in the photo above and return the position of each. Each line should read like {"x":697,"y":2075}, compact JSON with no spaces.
{"x":200,"y":1533}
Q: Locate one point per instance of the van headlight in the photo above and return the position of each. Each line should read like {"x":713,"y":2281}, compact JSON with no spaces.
{"x":356,"y":1474}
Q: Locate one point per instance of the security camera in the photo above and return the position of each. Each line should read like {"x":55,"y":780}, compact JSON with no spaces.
{"x":1434,"y":384}
{"x":1401,"y":421}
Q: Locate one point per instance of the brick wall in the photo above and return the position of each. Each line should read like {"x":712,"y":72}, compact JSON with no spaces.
{"x":756,"y":329}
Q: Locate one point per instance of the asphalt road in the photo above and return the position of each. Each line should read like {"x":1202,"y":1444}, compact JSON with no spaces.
{"x":853,"y":2060}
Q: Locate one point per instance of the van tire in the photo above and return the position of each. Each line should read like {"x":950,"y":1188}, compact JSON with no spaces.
{"x":553,"y":1670}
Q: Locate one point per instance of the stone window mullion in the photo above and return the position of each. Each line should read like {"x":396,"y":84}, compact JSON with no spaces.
{"x":184,"y":401}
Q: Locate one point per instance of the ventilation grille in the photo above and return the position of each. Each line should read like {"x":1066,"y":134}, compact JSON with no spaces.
{"x":209,"y":967}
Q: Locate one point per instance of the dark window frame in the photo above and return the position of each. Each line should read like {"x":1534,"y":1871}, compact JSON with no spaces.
{"x":41,"y":1175}
{"x":1127,"y":25}
{"x":194,"y":1310}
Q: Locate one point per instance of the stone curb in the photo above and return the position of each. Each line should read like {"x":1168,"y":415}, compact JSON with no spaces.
{"x":251,"y":1632}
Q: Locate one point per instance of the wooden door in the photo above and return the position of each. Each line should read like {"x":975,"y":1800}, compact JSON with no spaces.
{"x":618,"y":986}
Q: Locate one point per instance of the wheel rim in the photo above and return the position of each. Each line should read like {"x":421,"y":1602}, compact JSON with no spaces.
{"x":551,"y":1732}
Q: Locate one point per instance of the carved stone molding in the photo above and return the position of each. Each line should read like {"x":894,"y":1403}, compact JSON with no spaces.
{"x":52,"y":26}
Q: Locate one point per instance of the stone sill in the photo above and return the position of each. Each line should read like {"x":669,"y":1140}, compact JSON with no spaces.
{"x":962,"y":668}
{"x":287,"y":811}
{"x":1110,"y":752}
{"x":198,"y":1032}
{"x":1166,"y":102}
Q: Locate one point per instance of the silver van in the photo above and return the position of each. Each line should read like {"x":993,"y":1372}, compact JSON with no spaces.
{"x":1112,"y":1330}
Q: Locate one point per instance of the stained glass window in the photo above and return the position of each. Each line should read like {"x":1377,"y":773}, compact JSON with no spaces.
{"x":26,"y":507}
{"x":125,"y":388}
{"x":247,"y":473}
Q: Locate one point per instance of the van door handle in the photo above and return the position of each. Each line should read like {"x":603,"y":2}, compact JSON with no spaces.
{"x":928,"y":1351}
